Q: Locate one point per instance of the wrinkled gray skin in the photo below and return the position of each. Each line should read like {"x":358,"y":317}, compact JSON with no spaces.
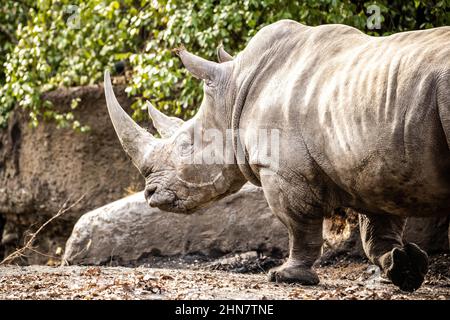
{"x":364,"y":122}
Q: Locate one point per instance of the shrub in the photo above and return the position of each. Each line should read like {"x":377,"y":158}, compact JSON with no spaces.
{"x":51,"y":43}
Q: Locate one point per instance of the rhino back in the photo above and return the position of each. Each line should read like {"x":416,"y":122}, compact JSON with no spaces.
{"x":365,"y":108}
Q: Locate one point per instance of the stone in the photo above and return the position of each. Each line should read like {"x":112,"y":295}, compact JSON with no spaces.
{"x":128,"y":229}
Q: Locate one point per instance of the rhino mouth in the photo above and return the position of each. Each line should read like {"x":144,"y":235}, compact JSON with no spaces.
{"x":182,"y":206}
{"x":175,"y":204}
{"x":206,"y":204}
{"x":175,"y":207}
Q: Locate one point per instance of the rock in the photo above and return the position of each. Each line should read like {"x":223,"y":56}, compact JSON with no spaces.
{"x":128,"y":229}
{"x":41,"y":168}
{"x":341,"y":236}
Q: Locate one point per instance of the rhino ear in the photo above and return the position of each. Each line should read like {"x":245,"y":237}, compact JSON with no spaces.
{"x":199,"y":67}
{"x":165,"y":125}
{"x":222,"y":55}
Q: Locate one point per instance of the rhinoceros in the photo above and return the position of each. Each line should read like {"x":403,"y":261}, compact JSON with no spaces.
{"x":363,"y":122}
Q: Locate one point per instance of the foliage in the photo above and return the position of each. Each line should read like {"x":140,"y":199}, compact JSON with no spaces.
{"x":12,"y":13}
{"x":51,"y":43}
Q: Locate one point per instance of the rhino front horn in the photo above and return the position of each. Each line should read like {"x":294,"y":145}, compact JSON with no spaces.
{"x":165,"y":125}
{"x":136,"y":141}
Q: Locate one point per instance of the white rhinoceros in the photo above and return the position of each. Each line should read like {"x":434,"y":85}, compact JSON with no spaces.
{"x":354,"y":121}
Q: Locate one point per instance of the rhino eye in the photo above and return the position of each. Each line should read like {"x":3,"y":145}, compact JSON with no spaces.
{"x":185,"y":148}
{"x":210,"y":83}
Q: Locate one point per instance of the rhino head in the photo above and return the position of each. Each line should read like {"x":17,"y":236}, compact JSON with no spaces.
{"x":179,"y":174}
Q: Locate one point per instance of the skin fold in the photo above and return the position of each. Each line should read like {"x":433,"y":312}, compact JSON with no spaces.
{"x":363,"y":122}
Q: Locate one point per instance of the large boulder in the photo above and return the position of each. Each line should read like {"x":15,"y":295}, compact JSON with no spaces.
{"x":41,"y":168}
{"x":128,"y":230}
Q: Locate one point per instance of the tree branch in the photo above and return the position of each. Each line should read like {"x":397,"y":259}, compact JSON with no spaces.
{"x":28,"y":245}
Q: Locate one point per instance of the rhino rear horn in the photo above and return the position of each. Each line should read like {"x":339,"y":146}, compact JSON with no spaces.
{"x":136,"y":141}
{"x":222,"y":55}
{"x":199,"y":67}
{"x":165,"y":125}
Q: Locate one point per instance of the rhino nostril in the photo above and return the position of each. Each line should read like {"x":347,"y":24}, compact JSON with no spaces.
{"x":149,"y":192}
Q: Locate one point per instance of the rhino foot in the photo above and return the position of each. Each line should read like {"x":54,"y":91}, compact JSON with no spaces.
{"x":293,"y":274}
{"x":407,"y":267}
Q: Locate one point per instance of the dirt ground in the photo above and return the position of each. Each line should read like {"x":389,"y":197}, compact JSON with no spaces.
{"x":233,"y":277}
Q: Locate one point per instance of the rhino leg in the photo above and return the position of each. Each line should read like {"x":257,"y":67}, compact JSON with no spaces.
{"x":305,"y":242}
{"x":304,"y":223}
{"x":405,"y":264}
